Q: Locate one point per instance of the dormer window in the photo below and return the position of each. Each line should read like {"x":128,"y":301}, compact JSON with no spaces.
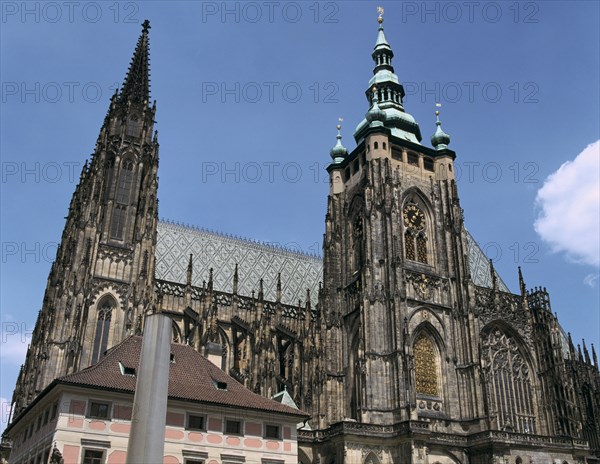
{"x":220,"y":385}
{"x":126,"y":370}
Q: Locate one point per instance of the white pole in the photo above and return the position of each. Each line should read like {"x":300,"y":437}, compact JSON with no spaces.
{"x":147,"y":437}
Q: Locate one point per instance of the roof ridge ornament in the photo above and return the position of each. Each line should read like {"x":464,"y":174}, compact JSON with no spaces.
{"x":380,"y":11}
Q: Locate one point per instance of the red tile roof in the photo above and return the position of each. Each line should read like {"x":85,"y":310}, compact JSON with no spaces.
{"x":192,"y":377}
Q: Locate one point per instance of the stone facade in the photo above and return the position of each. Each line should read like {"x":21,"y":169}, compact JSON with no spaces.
{"x":411,"y":350}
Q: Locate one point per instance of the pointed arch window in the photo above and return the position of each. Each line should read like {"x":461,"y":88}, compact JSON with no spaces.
{"x":357,"y":243}
{"x":426,"y":362}
{"x":105,"y":309}
{"x":109,"y":177}
{"x":117,"y":226}
{"x":125,"y":182}
{"x":134,"y":126}
{"x":509,"y":386}
{"x":415,"y":234}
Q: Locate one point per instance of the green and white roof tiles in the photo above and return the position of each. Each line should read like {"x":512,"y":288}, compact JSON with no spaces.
{"x":260,"y":261}
{"x":222,"y":252}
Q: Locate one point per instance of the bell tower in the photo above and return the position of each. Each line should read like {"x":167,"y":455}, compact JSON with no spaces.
{"x":396,"y":281}
{"x":103,"y":276}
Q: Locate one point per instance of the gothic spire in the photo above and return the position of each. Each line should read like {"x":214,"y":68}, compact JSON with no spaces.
{"x":522,"y":286}
{"x":278,"y":290}
{"x":235,"y":279}
{"x":586,"y":353}
{"x":261,"y":293}
{"x":136,"y":87}
{"x":190,"y":270}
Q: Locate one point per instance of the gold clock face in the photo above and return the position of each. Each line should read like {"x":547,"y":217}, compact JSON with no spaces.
{"x":414,"y":217}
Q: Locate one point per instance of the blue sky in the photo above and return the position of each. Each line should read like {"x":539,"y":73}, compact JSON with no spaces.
{"x":248,"y":100}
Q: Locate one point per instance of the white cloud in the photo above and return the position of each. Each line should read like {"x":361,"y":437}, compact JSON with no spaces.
{"x":569,"y":203}
{"x":591,"y":280}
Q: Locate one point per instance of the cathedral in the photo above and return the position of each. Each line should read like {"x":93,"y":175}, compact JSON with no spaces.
{"x":402,"y":342}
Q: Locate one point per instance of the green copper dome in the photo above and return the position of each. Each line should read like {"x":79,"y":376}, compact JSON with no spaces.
{"x":338,"y":152}
{"x":440,"y":139}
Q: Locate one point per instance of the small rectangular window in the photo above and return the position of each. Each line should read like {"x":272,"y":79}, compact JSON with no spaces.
{"x":413,"y":159}
{"x":93,"y":456}
{"x":355,"y":166}
{"x":272,"y":431}
{"x":233,"y":427}
{"x":98,"y":410}
{"x":54,"y":411}
{"x":46,"y":416}
{"x":428,"y":164}
{"x":347,"y":174}
{"x":397,"y":154}
{"x":195,"y":422}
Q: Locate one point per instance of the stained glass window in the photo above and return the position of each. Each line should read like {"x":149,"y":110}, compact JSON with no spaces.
{"x":426,"y":366}
{"x":415,"y":236}
{"x":422,"y":249}
{"x":508,"y":383}
{"x":409,"y":243}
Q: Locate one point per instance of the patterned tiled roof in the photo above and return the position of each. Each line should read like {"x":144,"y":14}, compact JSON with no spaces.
{"x":192,"y":377}
{"x":260,"y":261}
{"x":480,"y":266}
{"x":221,"y":253}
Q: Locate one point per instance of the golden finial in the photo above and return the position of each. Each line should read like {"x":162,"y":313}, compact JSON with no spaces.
{"x":340,"y":121}
{"x":437,"y":112}
{"x":380,"y":12}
